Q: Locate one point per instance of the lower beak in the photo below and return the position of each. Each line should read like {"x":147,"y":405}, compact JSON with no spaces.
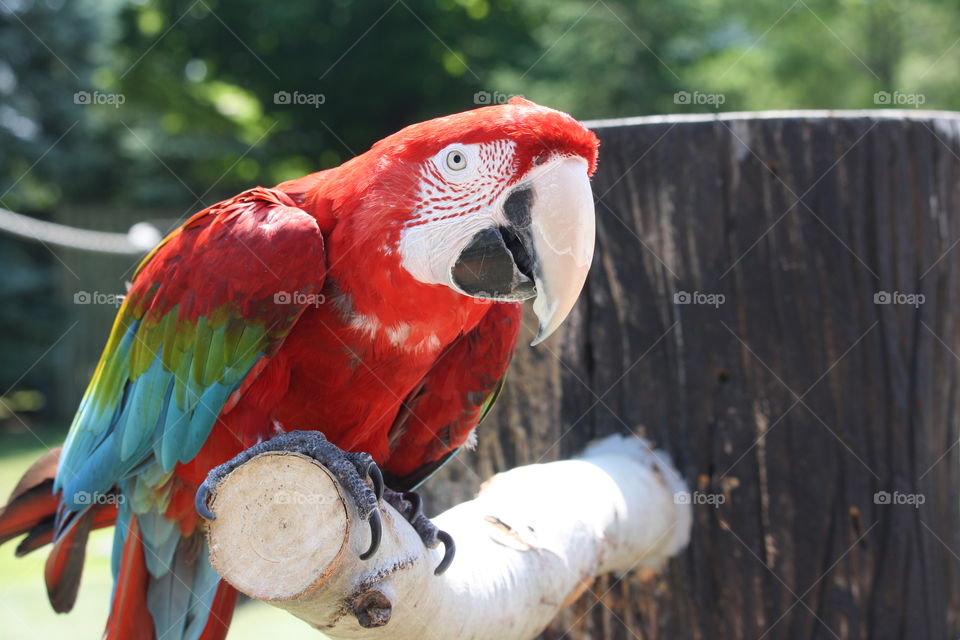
{"x":544,"y":250}
{"x":562,"y":230}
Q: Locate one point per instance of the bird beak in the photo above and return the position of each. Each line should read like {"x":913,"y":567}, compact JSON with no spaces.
{"x":562,"y":231}
{"x":544,"y":249}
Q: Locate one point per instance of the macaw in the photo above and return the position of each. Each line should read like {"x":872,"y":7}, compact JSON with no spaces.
{"x":368,"y":311}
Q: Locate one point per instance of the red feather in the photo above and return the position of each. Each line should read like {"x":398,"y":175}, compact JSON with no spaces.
{"x":221,"y":613}
{"x":65,"y":562}
{"x":32,"y":501}
{"x":447,"y":408}
{"x":127,"y":619}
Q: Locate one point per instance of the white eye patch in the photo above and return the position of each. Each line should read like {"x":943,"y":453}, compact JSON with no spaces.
{"x":461,"y":187}
{"x":458,"y":163}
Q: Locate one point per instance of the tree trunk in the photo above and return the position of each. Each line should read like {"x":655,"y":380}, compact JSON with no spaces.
{"x":736,"y":317}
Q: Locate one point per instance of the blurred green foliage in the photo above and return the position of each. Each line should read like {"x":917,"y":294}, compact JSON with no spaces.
{"x":170,"y":105}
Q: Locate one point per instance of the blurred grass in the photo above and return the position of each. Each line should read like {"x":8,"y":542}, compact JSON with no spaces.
{"x":23,"y":599}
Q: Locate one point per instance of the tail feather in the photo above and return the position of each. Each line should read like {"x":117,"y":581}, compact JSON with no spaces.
{"x":33,"y":510}
{"x":163,"y":582}
{"x":169,"y":594}
{"x":43,"y":469}
{"x":221,"y":613}
{"x":178,"y":596}
{"x":182,"y":592}
{"x":39,"y":536}
{"x":32,"y":502}
{"x":126,"y":620}
{"x":104,"y":515}
{"x":65,"y":562}
{"x":30,"y":509}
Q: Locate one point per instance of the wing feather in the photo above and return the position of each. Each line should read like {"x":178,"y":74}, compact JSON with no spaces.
{"x":201,"y":313}
{"x":453,"y":398}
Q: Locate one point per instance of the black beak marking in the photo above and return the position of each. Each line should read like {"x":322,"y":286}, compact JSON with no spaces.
{"x":517,"y":207}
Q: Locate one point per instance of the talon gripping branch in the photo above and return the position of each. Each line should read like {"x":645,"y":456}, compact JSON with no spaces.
{"x":377,"y":303}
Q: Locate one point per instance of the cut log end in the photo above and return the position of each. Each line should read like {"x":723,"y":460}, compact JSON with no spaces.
{"x":286,"y":517}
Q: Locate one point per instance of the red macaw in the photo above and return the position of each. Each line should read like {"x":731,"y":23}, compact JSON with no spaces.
{"x":377,"y":303}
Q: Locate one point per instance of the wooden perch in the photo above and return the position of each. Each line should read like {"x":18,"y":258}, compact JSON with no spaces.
{"x":528,"y":545}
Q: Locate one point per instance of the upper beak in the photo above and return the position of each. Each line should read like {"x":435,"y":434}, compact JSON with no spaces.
{"x":563,"y":229}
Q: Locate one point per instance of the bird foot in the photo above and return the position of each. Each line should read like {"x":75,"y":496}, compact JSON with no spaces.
{"x":410,"y":506}
{"x":351,"y":469}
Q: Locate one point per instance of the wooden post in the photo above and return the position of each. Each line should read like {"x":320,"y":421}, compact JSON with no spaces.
{"x":816,"y":416}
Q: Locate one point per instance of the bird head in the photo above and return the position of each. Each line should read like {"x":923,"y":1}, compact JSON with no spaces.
{"x":492,"y":204}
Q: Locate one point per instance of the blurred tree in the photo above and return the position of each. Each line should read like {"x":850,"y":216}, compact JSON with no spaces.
{"x":618,"y":58}
{"x":48,"y":52}
{"x":192,"y":100}
{"x":51,"y":150}
{"x":212,"y":81}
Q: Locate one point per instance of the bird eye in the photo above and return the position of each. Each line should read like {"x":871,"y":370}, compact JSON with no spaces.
{"x":457,"y":160}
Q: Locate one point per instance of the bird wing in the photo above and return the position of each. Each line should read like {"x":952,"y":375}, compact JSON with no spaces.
{"x":457,"y":393}
{"x":205,"y":312}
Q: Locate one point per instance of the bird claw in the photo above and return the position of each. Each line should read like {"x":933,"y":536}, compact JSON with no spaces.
{"x":449,"y":551}
{"x":376,"y":530}
{"x":376,"y":477}
{"x":410,"y":506}
{"x":200,"y":501}
{"x":351,"y":469}
{"x":416,"y":505}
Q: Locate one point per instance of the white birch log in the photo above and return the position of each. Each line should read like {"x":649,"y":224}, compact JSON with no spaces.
{"x":528,"y":545}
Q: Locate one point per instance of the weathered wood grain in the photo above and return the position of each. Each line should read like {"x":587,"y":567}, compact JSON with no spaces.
{"x":797,"y":399}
